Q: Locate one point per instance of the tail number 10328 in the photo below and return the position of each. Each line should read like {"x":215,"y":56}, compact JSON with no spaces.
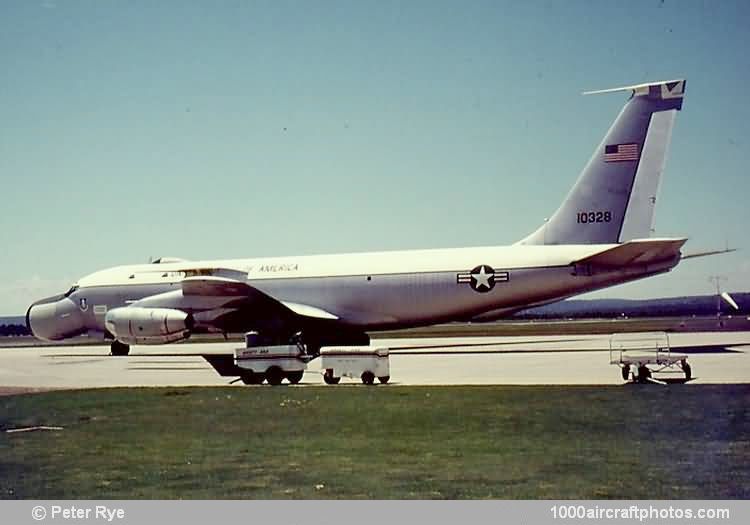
{"x":585,"y":217}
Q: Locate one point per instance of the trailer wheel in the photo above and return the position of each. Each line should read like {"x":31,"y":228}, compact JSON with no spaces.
{"x":688,"y":371}
{"x":295,"y":377}
{"x":643,"y":374}
{"x":329,"y":378}
{"x":368,"y":377}
{"x":251,"y":378}
{"x":119,"y":349}
{"x":274,"y":375}
{"x":625,"y":372}
{"x":384,"y":379}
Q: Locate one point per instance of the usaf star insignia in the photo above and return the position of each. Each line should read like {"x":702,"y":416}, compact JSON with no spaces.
{"x":482,"y":279}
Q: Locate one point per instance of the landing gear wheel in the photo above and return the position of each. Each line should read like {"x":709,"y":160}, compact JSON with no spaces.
{"x":368,"y":377}
{"x":644,"y":374}
{"x":625,"y":372}
{"x":295,"y":377}
{"x":313,"y":350}
{"x":251,"y":378}
{"x":688,"y":371}
{"x":329,"y":379}
{"x":384,"y":379}
{"x":119,"y":349}
{"x":274,"y":376}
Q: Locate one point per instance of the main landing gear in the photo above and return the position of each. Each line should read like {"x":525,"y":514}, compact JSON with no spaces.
{"x":119,"y":349}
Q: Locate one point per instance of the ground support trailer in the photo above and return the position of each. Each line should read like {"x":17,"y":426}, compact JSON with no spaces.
{"x":641,"y":355}
{"x":271,"y":363}
{"x":362,"y":362}
{"x":263,"y":360}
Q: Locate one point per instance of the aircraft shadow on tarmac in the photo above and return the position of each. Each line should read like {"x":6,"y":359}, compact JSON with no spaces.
{"x":435,"y":350}
{"x":708,"y":349}
{"x":665,"y":380}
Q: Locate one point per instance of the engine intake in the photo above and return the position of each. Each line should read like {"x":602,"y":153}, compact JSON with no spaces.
{"x":134,"y":324}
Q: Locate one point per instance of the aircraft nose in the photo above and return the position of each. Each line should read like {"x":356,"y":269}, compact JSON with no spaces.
{"x":54,"y":319}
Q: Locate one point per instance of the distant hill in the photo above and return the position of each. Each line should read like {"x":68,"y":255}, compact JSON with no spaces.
{"x":699,"y":305}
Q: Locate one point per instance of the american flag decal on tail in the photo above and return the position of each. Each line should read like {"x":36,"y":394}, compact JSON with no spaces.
{"x":621,"y":152}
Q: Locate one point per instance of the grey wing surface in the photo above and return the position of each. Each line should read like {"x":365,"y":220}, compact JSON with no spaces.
{"x":230,"y":305}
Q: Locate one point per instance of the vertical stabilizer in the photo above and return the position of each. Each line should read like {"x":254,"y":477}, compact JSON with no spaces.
{"x":614,"y":198}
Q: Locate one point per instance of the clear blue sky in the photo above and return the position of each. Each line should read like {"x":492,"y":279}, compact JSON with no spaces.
{"x":239,"y":129}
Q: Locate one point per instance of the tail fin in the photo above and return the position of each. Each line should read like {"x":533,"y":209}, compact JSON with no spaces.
{"x":614,"y":198}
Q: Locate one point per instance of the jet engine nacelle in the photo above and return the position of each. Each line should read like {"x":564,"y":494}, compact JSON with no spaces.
{"x":133,"y":324}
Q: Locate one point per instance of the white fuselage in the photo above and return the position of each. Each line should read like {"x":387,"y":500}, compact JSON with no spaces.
{"x":380,"y":289}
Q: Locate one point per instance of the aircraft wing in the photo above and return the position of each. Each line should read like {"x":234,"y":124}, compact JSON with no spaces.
{"x":232,"y":289}
{"x":226,"y":302}
{"x":640,"y":251}
{"x":219,"y":287}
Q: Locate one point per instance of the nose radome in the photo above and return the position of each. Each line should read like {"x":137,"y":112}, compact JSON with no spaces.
{"x":28,"y":323}
{"x":41,"y":320}
{"x":54,"y":320}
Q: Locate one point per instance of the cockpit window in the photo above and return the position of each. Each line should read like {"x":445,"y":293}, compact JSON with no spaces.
{"x":72,"y":289}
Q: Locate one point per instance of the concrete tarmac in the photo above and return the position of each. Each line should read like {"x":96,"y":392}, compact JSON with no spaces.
{"x":715,"y":357}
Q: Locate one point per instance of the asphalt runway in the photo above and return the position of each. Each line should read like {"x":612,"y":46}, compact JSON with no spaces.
{"x":715,"y":357}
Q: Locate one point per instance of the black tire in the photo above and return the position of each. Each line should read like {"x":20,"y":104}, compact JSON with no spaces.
{"x":688,"y":371}
{"x":384,"y":379}
{"x":368,"y":377}
{"x":119,"y":349}
{"x":330,"y":380}
{"x":251,"y":378}
{"x":274,"y":375}
{"x":625,"y":372}
{"x":644,"y":374}
{"x":295,"y":377}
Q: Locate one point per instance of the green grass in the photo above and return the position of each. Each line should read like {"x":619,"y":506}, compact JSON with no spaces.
{"x":689,"y":441}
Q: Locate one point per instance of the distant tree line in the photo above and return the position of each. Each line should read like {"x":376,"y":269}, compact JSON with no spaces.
{"x":704,"y":305}
{"x":13,"y":329}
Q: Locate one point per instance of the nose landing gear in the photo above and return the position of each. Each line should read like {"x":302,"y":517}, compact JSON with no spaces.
{"x":119,"y":349}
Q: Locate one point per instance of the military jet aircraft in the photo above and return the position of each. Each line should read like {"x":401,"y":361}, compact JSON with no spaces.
{"x":599,"y":237}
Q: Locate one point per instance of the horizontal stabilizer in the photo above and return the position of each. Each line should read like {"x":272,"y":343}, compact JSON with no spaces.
{"x":706,"y":254}
{"x":640,"y":251}
{"x":664,"y":89}
{"x":729,"y":300}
